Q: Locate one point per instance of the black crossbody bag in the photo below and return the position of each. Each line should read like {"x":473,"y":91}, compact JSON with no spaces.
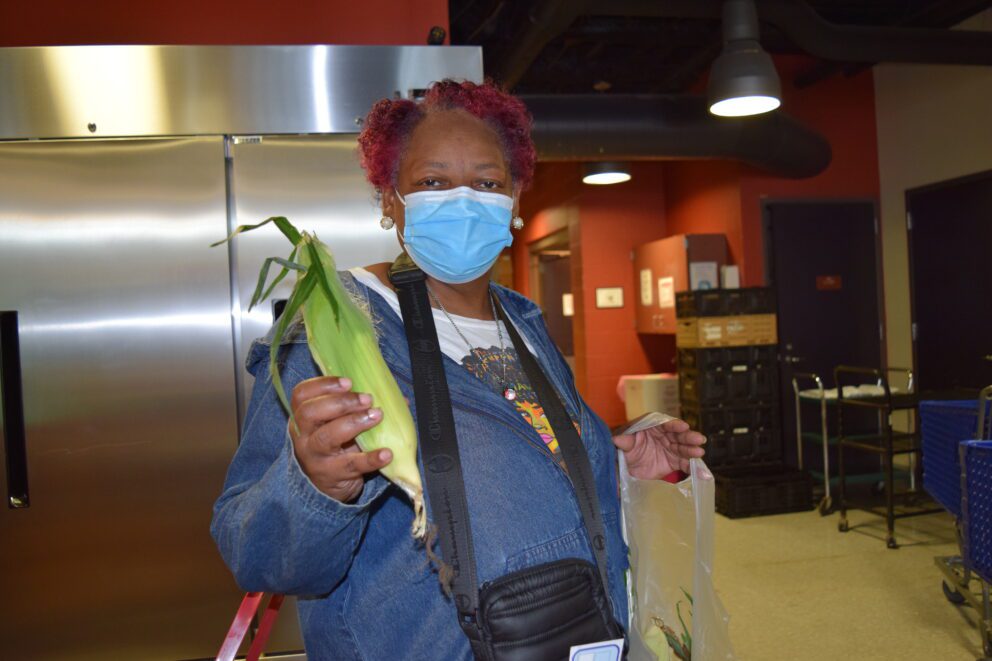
{"x":538,"y":613}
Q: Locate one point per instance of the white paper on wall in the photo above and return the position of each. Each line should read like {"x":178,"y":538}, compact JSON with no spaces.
{"x":647,"y":291}
{"x":666,"y":292}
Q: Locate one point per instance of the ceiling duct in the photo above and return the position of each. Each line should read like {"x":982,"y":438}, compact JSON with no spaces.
{"x":800,"y":23}
{"x":619,"y":127}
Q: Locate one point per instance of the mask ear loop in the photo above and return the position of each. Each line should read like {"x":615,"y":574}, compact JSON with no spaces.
{"x":402,"y":201}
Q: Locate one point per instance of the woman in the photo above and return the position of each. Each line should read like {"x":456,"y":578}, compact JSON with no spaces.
{"x":305,"y":512}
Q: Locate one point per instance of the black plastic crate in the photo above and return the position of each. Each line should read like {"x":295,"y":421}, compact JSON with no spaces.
{"x":759,"y":490}
{"x":737,"y":435}
{"x":754,"y":446}
{"x":701,"y":303}
{"x":728,"y":357}
{"x":731,"y":419}
{"x":724,"y":302}
{"x":736,"y":385}
{"x":757,"y":300}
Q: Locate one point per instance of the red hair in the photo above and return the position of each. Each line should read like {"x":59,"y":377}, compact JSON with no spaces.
{"x":389,"y":124}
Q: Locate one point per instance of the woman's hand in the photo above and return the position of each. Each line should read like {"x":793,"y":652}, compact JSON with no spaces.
{"x":655,"y":452}
{"x":328,"y":418}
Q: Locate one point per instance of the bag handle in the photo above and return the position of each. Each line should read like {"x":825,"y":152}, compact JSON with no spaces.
{"x":242,"y":622}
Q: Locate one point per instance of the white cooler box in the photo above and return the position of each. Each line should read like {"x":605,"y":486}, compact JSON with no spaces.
{"x":643,"y":393}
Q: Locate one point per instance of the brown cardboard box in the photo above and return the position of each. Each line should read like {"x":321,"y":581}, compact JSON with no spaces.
{"x":736,"y":331}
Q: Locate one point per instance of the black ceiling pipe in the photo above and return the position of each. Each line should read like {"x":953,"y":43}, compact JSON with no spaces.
{"x":829,"y":41}
{"x":578,"y":127}
{"x":804,"y":27}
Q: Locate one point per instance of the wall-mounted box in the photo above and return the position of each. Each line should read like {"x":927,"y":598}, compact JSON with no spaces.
{"x":661,"y":268}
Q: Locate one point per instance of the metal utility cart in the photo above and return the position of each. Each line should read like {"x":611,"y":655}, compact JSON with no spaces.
{"x":887,"y":443}
{"x":958,"y":474}
{"x":822,"y":399}
{"x":823,"y":437}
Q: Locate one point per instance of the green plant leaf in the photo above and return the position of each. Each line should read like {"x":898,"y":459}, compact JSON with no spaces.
{"x":287,"y":264}
{"x":686,"y":634}
{"x":304,"y":287}
{"x":263,"y":275}
{"x":321,"y":276}
{"x":281,"y":222}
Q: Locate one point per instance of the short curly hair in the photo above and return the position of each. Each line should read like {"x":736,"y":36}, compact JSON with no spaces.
{"x":388,"y":126}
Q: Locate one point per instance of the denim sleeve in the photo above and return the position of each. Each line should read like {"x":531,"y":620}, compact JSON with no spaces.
{"x":276,"y":531}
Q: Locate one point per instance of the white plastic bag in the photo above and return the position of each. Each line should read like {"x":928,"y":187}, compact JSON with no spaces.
{"x":669,"y":528}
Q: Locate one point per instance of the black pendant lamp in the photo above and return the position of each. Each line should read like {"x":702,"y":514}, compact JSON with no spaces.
{"x":743,"y":80}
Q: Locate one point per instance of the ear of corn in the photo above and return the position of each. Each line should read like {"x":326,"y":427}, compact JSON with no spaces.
{"x":342,"y":342}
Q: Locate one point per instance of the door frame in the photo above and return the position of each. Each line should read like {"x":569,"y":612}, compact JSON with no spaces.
{"x":769,"y":262}
{"x":909,"y":194}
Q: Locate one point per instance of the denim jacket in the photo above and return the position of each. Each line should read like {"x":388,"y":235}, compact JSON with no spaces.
{"x":365,"y":588}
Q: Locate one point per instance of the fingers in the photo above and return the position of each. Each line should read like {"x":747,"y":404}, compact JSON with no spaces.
{"x":691,"y":438}
{"x":353,"y":465}
{"x":314,"y":413}
{"x":624,"y":442}
{"x":316,"y":387}
{"x":328,"y":438}
{"x":675,"y":426}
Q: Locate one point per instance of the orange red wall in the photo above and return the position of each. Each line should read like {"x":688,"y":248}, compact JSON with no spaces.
{"x":604,"y":224}
{"x":691,"y":197}
{"x":62,"y":22}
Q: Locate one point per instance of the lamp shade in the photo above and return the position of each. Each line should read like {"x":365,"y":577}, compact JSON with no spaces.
{"x":743,"y":81}
{"x":602,"y":173}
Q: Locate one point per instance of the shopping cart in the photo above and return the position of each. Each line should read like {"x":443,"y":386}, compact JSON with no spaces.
{"x":958,"y":474}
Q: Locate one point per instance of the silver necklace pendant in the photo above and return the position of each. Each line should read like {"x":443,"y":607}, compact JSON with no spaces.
{"x":509,"y":393}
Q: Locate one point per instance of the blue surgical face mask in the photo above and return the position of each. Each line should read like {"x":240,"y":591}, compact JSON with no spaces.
{"x":456,"y":235}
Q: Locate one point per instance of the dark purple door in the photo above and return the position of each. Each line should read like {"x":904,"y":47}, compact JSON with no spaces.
{"x":822,"y":263}
{"x":950,"y":229}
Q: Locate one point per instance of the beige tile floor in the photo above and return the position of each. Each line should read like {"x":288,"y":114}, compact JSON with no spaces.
{"x":796,"y":588}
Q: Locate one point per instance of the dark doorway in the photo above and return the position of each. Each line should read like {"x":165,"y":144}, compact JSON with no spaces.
{"x":822,"y":261}
{"x":950,"y":239}
{"x":551,"y":274}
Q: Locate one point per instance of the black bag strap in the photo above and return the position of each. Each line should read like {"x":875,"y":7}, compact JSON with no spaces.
{"x":436,"y":430}
{"x":445,"y":483}
{"x":572,"y":449}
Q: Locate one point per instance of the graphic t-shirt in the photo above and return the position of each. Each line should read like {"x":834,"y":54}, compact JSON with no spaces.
{"x":484,"y":360}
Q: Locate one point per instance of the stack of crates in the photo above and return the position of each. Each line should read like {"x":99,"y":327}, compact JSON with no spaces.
{"x":728,"y":373}
{"x":729,"y":391}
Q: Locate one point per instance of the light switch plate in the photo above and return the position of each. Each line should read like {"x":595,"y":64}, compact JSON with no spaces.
{"x":609,"y":297}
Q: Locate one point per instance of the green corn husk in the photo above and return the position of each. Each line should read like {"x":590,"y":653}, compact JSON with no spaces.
{"x":343,"y":342}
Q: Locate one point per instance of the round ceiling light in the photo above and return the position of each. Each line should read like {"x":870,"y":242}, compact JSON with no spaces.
{"x":743,"y":80}
{"x":604,"y":173}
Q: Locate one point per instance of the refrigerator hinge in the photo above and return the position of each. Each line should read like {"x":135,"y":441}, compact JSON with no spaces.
{"x":247,"y":139}
{"x":914,"y":331}
{"x":909,"y":221}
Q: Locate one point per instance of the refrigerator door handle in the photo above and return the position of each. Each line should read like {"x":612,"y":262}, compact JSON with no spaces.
{"x":12,"y":402}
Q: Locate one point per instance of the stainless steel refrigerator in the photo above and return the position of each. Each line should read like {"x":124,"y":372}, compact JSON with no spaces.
{"x":123,"y":334}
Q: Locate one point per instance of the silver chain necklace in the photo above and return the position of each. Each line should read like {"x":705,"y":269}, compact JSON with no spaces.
{"x":509,"y":393}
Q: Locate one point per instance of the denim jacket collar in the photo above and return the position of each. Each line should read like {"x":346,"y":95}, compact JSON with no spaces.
{"x":466,"y":390}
